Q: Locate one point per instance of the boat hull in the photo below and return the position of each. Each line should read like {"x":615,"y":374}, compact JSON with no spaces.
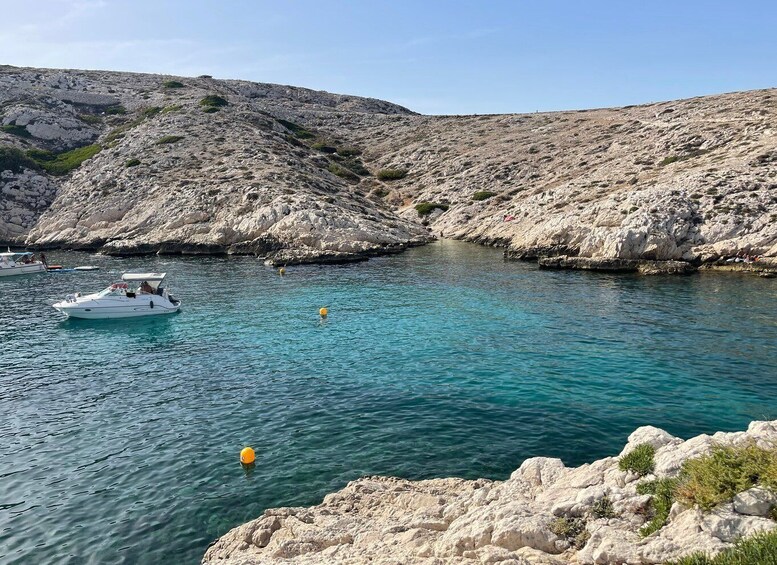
{"x":114,"y":309}
{"x":22,"y":269}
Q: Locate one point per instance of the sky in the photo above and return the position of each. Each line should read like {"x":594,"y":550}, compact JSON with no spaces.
{"x":434,"y":57}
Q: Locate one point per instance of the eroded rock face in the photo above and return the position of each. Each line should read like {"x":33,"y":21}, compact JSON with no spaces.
{"x":692,"y":180}
{"x":447,"y":521}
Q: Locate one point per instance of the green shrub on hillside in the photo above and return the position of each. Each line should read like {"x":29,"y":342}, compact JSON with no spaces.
{"x":213,"y":101}
{"x":151,"y":111}
{"x":13,"y":159}
{"x":132,"y":163}
{"x":483,"y":195}
{"x":391,"y":174}
{"x":117,"y":109}
{"x":169,"y":139}
{"x":342,"y":172}
{"x":348,"y":151}
{"x":13,"y":129}
{"x":669,"y":160}
{"x":296,"y":129}
{"x":324,"y":147}
{"x":211,"y":109}
{"x":639,"y":460}
{"x":62,"y":163}
{"x":90,"y":119}
{"x":426,"y":208}
{"x":173,"y":84}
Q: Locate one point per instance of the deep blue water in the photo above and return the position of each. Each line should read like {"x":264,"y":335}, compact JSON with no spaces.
{"x":119,"y":441}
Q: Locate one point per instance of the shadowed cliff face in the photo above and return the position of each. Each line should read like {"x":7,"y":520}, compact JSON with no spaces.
{"x":198,"y":165}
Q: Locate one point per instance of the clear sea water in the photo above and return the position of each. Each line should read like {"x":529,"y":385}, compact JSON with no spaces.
{"x":119,"y":441}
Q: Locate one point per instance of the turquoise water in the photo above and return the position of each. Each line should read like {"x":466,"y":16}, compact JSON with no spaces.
{"x":119,"y":440}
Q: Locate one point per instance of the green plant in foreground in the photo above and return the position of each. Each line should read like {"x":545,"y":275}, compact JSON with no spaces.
{"x":639,"y":460}
{"x":213,"y":101}
{"x":483,"y":195}
{"x":169,"y":139}
{"x":571,"y":529}
{"x":132,"y":163}
{"x":715,"y":478}
{"x":759,"y":549}
{"x":662,"y":491}
{"x":603,"y":508}
{"x":391,"y":174}
{"x":426,"y":208}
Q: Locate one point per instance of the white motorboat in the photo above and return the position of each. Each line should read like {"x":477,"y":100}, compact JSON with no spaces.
{"x":23,"y":263}
{"x":123,"y":299}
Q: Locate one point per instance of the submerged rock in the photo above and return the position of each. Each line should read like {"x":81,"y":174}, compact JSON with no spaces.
{"x":545,"y":513}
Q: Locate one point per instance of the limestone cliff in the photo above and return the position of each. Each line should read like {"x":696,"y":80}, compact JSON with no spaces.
{"x":545,"y":513}
{"x":198,"y":165}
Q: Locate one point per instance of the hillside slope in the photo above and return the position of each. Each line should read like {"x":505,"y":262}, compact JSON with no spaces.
{"x":197,"y":165}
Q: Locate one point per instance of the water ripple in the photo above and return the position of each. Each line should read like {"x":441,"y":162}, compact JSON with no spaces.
{"x":119,"y":439}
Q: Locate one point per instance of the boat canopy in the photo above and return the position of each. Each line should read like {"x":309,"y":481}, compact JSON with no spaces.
{"x":153,"y":279}
{"x":140,"y":277}
{"x":20,"y":254}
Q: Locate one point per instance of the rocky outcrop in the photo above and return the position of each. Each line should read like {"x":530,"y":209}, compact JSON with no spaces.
{"x":278,"y":169}
{"x":642,"y":266}
{"x":528,"y":519}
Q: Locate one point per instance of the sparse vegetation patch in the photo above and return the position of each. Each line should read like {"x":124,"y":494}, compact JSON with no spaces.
{"x":13,"y":129}
{"x":391,"y":174}
{"x":483,"y":195}
{"x":759,"y":549}
{"x":213,"y":101}
{"x":342,"y":172}
{"x":426,"y":208}
{"x":173,"y":84}
{"x":62,"y":163}
{"x":296,"y":129}
{"x":169,"y":139}
{"x":13,"y":159}
{"x":639,"y":460}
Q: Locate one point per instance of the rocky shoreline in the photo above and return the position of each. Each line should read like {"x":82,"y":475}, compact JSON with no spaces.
{"x":128,"y":163}
{"x":545,"y":513}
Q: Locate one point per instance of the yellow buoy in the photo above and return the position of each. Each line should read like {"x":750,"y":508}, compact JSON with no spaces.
{"x":282,"y":271}
{"x":247,"y":456}
{"x":323,"y":312}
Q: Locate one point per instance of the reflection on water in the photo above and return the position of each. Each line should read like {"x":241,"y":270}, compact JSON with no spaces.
{"x":119,"y":439}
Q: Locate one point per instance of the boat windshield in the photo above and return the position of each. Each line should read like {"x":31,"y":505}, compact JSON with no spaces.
{"x":116,"y":289}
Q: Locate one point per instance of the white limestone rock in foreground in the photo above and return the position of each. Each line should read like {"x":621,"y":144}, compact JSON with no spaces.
{"x":383,"y":520}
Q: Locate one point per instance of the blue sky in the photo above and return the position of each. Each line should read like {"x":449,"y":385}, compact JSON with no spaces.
{"x":434,"y":57}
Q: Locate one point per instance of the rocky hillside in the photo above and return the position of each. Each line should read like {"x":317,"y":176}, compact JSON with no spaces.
{"x":133,"y":163}
{"x":545,"y":513}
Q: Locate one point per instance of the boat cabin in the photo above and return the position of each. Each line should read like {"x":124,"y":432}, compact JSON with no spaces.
{"x":148,"y":283}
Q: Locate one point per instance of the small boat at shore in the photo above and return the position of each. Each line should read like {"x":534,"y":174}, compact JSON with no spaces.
{"x":23,"y":263}
{"x":120,"y":300}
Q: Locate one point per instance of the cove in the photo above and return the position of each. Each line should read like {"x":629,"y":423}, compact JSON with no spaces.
{"x":119,"y":441}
